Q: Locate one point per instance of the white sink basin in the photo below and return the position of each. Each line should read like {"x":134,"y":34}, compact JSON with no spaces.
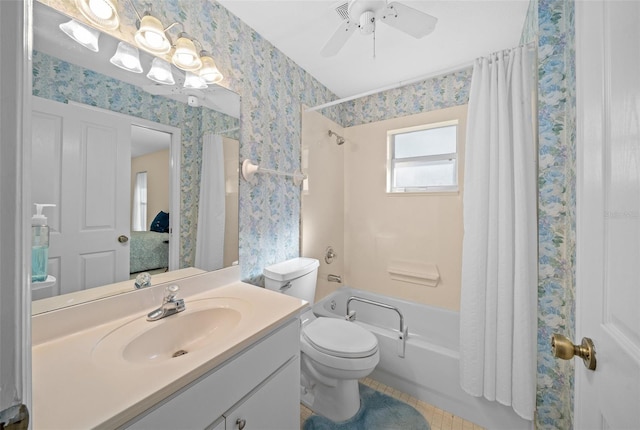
{"x":203,"y":323}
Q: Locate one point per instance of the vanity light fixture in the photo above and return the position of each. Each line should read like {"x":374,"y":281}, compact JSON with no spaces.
{"x":151,"y":35}
{"x":209,"y":71}
{"x":191,"y":80}
{"x":102,"y":13}
{"x":185,"y":56}
{"x":161,"y":72}
{"x":85,"y":36}
{"x":127,"y":57}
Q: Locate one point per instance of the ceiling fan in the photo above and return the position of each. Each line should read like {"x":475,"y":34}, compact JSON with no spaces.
{"x":364,"y":14}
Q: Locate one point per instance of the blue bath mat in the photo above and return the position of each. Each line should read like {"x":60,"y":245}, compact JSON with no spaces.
{"x":377,"y":412}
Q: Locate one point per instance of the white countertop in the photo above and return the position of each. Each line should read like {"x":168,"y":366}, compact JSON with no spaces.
{"x":71,"y":390}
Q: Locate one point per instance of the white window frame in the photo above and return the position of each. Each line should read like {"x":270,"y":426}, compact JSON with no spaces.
{"x":422,"y":160}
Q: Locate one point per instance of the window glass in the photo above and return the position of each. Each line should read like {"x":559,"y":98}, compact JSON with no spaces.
{"x":423,"y":158}
{"x":441,"y":140}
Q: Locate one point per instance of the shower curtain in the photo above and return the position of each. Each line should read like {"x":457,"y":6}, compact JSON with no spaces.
{"x":499,"y":259}
{"x":139,"y":216}
{"x":211,"y":206}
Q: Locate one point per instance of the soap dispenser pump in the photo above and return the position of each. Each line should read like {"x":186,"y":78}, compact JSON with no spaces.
{"x":39,"y":244}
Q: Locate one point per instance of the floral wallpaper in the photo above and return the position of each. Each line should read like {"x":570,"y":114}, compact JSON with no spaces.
{"x":436,"y":93}
{"x":61,"y":81}
{"x":556,"y":208}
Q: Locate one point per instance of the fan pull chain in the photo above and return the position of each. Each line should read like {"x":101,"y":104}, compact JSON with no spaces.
{"x":374,"y":38}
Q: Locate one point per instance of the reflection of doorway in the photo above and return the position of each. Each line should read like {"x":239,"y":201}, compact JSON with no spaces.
{"x":150,"y":200}
{"x":81,"y":162}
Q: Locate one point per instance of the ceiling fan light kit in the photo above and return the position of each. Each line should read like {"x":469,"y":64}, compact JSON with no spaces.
{"x":363,"y":15}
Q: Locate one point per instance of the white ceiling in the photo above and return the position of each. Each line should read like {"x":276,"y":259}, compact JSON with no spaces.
{"x":466,"y":29}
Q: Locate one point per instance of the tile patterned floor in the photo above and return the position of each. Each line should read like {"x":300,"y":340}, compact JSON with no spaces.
{"x":437,"y":418}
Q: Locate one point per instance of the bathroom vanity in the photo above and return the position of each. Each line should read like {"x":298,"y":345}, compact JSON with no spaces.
{"x":229,"y":361}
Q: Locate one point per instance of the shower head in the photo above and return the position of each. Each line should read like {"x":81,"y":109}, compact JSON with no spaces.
{"x":339,"y":139}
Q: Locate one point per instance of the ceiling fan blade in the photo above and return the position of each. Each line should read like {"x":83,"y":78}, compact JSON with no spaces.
{"x":409,"y":20}
{"x":339,"y":38}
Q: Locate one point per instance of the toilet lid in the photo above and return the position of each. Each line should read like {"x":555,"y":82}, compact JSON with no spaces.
{"x":340,"y":338}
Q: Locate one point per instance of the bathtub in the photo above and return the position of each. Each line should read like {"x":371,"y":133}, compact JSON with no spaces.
{"x":429,"y":369}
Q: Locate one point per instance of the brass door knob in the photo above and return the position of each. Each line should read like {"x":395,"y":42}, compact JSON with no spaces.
{"x":563,"y":348}
{"x":123,"y":239}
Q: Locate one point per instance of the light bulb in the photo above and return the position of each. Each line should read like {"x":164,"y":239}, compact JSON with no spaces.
{"x":82,"y":34}
{"x":129,"y":62}
{"x":100,"y":8}
{"x":185,"y":58}
{"x":153,"y":39}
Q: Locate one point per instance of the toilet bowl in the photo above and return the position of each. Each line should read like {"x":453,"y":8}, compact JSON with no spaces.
{"x":335,"y":353}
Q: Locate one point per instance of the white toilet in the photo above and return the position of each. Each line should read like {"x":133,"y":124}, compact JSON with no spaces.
{"x":335,"y":353}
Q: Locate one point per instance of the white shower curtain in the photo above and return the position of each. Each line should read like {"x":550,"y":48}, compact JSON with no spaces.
{"x":211,"y":206}
{"x":499,"y":259}
{"x":139,"y":216}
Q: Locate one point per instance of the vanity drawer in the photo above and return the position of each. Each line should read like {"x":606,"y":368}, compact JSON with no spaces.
{"x":202,"y":402}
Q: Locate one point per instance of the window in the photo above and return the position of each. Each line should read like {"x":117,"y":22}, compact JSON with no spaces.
{"x":423,"y":159}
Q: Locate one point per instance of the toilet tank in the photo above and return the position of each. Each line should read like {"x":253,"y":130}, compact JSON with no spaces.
{"x":296,"y":277}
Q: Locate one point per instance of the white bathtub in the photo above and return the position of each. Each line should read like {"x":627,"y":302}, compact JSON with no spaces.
{"x":429,"y":369}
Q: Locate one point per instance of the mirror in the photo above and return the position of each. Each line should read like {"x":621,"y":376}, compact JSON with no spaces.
{"x":69,"y":76}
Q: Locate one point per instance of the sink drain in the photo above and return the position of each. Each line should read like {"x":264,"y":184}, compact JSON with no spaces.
{"x":179,"y":353}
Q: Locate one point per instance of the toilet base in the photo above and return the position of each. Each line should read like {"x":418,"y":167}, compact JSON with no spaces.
{"x":338,"y":403}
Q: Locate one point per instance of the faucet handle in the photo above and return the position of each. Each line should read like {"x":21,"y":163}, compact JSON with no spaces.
{"x":143,"y":280}
{"x":171,"y":292}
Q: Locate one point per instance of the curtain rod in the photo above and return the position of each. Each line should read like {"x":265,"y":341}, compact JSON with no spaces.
{"x":392,"y":86}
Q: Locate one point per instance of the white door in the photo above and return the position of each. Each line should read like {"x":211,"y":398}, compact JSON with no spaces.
{"x":81,"y":162}
{"x":608,"y":229}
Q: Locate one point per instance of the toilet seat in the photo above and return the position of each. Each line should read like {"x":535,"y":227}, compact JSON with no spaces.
{"x":340,"y":338}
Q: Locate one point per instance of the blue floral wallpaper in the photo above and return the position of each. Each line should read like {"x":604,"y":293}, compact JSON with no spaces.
{"x":556,"y":208}
{"x":436,"y":93}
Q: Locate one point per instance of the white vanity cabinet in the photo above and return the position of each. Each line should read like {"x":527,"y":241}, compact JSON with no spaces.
{"x":256,"y":389}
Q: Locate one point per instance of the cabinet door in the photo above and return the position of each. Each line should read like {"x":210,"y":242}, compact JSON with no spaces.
{"x":273,"y":405}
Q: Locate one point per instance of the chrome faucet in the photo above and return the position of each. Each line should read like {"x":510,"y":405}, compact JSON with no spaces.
{"x":170,"y":305}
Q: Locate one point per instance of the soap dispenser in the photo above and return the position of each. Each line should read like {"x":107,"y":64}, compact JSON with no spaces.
{"x":39,"y":244}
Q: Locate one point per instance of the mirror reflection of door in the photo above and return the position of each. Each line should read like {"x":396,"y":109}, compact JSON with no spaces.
{"x":80,"y":162}
{"x":150,"y":201}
